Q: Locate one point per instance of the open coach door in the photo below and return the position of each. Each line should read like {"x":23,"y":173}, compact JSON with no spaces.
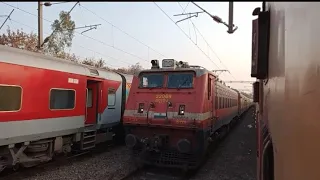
{"x":93,"y":103}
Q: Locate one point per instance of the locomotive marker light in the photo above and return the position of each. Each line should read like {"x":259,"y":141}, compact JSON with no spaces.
{"x":181,"y":109}
{"x":141,"y":106}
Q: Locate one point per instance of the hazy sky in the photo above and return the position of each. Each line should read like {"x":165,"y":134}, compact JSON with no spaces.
{"x":148,"y":24}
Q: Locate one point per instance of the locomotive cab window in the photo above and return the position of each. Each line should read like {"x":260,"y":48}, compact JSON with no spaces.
{"x":10,"y":98}
{"x":111,"y":97}
{"x":180,"y":80}
{"x":151,"y":80}
{"x":62,"y":99}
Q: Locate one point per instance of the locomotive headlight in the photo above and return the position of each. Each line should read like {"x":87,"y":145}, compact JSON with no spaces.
{"x":184,"y":146}
{"x":181,"y":109}
{"x":141,"y":106}
{"x":130,"y":140}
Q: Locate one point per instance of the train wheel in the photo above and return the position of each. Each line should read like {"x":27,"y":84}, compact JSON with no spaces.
{"x":16,"y":167}
{"x":119,"y":135}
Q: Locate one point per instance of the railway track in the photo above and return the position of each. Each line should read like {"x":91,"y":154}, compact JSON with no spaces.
{"x":59,"y":160}
{"x":155,"y":173}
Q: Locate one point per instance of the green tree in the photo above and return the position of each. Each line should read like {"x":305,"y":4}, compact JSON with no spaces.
{"x":22,"y":40}
{"x":62,"y":35}
{"x":19,"y":39}
{"x":89,"y":61}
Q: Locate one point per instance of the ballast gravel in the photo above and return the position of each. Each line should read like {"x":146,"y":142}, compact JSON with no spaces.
{"x":110,"y":165}
{"x":234,"y":158}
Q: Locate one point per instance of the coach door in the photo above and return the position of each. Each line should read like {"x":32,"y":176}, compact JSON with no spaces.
{"x":92,"y":101}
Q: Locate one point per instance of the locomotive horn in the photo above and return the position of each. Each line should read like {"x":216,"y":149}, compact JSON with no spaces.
{"x":155,"y":64}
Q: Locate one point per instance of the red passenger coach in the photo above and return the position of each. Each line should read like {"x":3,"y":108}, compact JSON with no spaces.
{"x":173,"y":113}
{"x":49,"y":105}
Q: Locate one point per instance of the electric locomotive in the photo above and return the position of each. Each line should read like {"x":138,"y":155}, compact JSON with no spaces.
{"x":173,"y":113}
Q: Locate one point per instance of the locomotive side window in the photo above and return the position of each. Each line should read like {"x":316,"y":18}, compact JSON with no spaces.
{"x":111,"y":97}
{"x":10,"y":98}
{"x":151,"y":80}
{"x":182,"y":80}
{"x":62,"y":99}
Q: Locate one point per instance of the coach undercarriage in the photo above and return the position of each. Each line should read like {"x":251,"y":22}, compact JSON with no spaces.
{"x":28,"y":154}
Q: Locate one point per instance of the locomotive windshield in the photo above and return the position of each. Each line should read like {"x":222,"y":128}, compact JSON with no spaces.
{"x":151,"y":80}
{"x":180,"y":80}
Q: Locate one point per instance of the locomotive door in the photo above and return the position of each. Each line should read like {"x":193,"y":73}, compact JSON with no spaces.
{"x":211,"y":98}
{"x":92,"y":102}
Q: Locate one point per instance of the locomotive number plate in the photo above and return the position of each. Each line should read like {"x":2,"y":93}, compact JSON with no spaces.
{"x":162,"y":98}
{"x":181,"y":122}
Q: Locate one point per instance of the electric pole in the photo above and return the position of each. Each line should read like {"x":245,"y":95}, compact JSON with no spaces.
{"x":40,"y":25}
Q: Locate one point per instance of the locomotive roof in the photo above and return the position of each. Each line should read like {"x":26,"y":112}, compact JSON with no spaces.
{"x":39,"y":60}
{"x":199,"y":71}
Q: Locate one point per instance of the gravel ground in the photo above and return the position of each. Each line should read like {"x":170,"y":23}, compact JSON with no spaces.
{"x":235,"y":157}
{"x":110,"y":165}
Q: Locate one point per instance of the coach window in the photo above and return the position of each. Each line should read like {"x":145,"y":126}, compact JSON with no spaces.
{"x":89,"y":98}
{"x":62,"y":99}
{"x":111,"y":97}
{"x":10,"y":98}
{"x":223,"y":103}
{"x":227,"y":105}
{"x":227,"y":99}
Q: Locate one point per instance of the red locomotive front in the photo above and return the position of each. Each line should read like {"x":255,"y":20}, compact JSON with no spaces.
{"x":170,"y":115}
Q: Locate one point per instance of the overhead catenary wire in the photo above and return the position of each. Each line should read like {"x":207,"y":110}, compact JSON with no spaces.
{"x":208,"y":43}
{"x":114,"y":26}
{"x":101,"y":42}
{"x":107,"y":63}
{"x":8,"y":17}
{"x":186,"y":35}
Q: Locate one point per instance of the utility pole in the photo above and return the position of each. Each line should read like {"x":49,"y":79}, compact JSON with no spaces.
{"x":231,"y":25}
{"x":40,"y":25}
